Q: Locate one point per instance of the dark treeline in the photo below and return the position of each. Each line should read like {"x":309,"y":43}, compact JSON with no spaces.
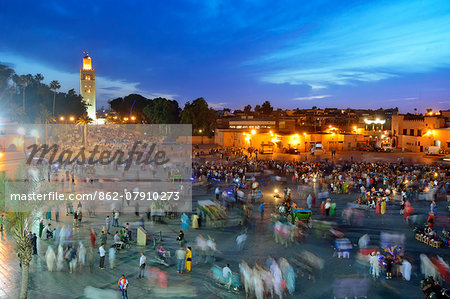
{"x":24,"y":98}
{"x":164,"y":111}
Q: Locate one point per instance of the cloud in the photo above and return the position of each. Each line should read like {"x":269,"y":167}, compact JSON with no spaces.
{"x":106,"y":87}
{"x":369,"y":43}
{"x":312,"y":97}
{"x":217,"y":105}
{"x":403,"y":99}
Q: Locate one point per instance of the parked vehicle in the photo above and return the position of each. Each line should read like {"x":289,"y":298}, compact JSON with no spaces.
{"x":364,"y":147}
{"x":432,"y":150}
{"x":291,"y":150}
{"x":386,"y":147}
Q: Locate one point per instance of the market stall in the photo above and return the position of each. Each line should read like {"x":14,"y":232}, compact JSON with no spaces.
{"x":215,"y":215}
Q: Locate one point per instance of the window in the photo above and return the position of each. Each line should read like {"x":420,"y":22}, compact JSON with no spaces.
{"x":87,"y":77}
{"x":88,"y":90}
{"x":411,"y":132}
{"x":405,"y":132}
{"x":419,"y":132}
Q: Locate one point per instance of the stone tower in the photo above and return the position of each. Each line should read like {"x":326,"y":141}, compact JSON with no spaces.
{"x":87,"y":86}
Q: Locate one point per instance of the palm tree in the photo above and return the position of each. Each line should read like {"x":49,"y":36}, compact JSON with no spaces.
{"x":24,"y":81}
{"x":84,"y":120}
{"x":17,"y":225}
{"x":20,"y":218}
{"x":54,"y":85}
{"x":46,"y":118}
{"x":38,"y":78}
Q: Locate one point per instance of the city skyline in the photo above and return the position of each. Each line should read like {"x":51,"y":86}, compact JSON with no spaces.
{"x":355,"y":54}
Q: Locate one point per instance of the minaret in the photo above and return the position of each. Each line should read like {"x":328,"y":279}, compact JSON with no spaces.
{"x":87,"y":86}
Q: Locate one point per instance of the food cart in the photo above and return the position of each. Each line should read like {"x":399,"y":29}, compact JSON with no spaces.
{"x":302,"y":215}
{"x":215,"y":215}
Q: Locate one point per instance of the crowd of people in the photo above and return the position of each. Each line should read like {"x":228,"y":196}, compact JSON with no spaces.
{"x":274,"y":278}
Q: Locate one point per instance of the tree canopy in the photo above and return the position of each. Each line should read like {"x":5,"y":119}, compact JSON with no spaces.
{"x":200,"y":115}
{"x":15,"y":90}
{"x":162,"y":111}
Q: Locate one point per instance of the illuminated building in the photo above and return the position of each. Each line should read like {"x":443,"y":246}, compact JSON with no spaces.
{"x":414,"y":132}
{"x":87,"y":85}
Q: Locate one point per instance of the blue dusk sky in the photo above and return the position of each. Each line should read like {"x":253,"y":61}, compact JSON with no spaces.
{"x":360,"y":54}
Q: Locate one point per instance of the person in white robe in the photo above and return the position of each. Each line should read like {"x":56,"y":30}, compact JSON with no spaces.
{"x":50,"y":258}
{"x":406,"y":269}
{"x":81,"y":254}
{"x":60,"y":258}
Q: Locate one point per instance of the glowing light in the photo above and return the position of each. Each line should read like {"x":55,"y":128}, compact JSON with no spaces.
{"x":125,"y":118}
{"x":21,"y":131}
{"x":71,"y":118}
{"x":377,"y":121}
{"x":34,"y":133}
{"x":253,"y":132}
{"x":134,"y":118}
{"x":271,"y":133}
{"x":354,"y":127}
{"x":200,"y":131}
{"x":61,"y":118}
{"x":18,"y":142}
{"x":304,"y":134}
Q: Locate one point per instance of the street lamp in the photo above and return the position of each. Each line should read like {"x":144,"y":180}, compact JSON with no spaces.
{"x":35,"y":134}
{"x":253,"y":132}
{"x":61,"y":118}
{"x":71,"y":118}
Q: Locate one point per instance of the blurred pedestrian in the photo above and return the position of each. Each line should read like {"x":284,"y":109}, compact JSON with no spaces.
{"x":142,"y":261}
{"x":261,"y":210}
{"x":180,"y":255}
{"x":34,"y":243}
{"x":188,"y":259}
{"x":102,"y":253}
{"x":406,"y":269}
{"x":107,"y":223}
{"x":73,"y":260}
{"x":112,"y":256}
{"x":374,"y":264}
{"x":195,"y":221}
{"x":123,"y":286}
{"x":93,"y":235}
{"x":81,"y":254}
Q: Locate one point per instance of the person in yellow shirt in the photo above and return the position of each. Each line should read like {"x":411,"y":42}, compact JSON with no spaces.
{"x":188,"y":259}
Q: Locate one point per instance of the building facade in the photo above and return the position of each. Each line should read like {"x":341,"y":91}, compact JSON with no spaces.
{"x":414,"y":132}
{"x":87,"y":86}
